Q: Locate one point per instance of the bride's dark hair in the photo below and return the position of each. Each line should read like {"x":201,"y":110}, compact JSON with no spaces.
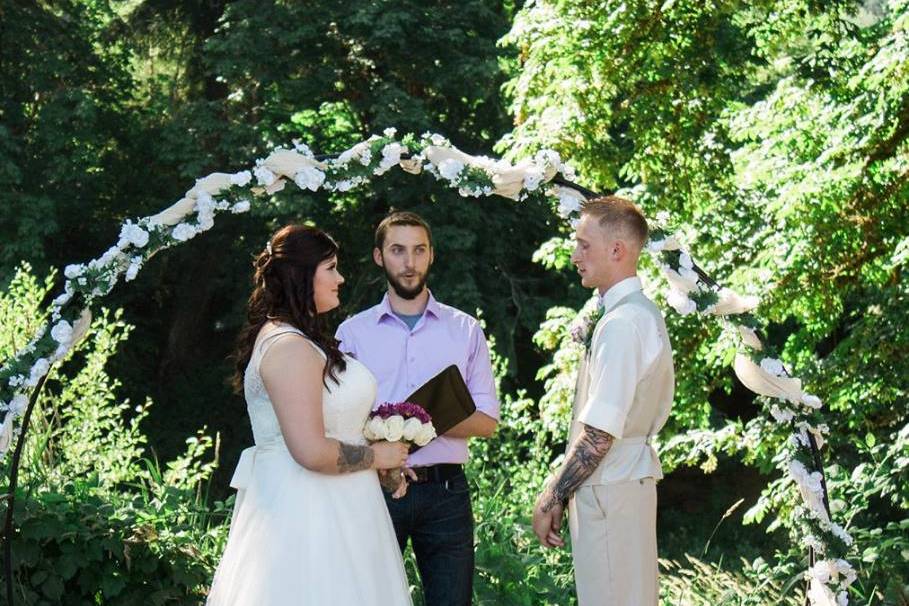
{"x":283,"y":292}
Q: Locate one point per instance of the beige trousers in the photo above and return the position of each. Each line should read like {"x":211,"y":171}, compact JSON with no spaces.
{"x":613,"y":543}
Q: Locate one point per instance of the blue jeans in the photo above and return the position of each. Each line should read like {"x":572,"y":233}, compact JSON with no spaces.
{"x":438,"y":519}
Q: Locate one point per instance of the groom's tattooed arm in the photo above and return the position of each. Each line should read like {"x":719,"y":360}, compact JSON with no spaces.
{"x":354,"y":458}
{"x":583,"y":458}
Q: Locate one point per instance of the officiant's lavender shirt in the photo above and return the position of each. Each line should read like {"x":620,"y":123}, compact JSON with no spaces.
{"x":403,"y":359}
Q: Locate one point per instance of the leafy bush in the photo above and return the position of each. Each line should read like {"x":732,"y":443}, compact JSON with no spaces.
{"x":96,"y":521}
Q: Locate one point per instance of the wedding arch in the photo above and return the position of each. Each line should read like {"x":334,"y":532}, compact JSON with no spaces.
{"x":691,"y":290}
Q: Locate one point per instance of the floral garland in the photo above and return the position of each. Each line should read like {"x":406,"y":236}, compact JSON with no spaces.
{"x":472,"y":176}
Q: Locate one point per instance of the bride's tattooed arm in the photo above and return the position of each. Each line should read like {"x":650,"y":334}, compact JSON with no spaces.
{"x":583,"y":458}
{"x":354,"y":458}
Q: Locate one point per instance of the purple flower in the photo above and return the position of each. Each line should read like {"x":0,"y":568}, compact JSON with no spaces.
{"x":405,"y":409}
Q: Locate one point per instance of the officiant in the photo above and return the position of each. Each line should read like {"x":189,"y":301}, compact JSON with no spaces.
{"x":412,"y":343}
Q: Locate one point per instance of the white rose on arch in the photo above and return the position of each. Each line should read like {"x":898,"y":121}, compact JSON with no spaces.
{"x":450,"y":169}
{"x":132,"y":234}
{"x":680,"y":302}
{"x":309,"y":177}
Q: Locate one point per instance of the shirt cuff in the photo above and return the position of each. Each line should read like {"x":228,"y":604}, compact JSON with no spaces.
{"x":489,"y":407}
{"x":604,"y":418}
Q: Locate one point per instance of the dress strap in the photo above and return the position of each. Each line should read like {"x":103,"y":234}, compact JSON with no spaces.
{"x":268,"y":340}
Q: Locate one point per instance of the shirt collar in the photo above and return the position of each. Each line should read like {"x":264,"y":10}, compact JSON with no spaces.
{"x":619,"y":291}
{"x":384,"y":308}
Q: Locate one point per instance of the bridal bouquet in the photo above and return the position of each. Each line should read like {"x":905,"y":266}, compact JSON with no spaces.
{"x":400,"y":421}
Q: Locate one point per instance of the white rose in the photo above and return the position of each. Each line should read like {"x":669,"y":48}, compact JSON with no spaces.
{"x":532,"y":178}
{"x":438,"y":140}
{"x":847,"y":571}
{"x":773,"y":366}
{"x":656,"y":246}
{"x":679,"y":282}
{"x":783,"y":415}
{"x":412,"y":427}
{"x":811,"y":400}
{"x":302,"y":148}
{"x":842,"y":599}
{"x":425,"y":435}
{"x":62,"y":300}
{"x":689,"y":274}
{"x":309,"y":177}
{"x":813,"y":542}
{"x":680,"y":302}
{"x":62,"y":332}
{"x":39,"y":369}
{"x":108,"y":257}
{"x":183,"y":232}
{"x":74,"y":271}
{"x":391,"y":156}
{"x":133,"y":269}
{"x":241,"y":178}
{"x":394,"y":428}
{"x":568,"y":205}
{"x":264,"y":176}
{"x":390,"y":132}
{"x":841,"y":533}
{"x":824,"y":571}
{"x":548,"y":157}
{"x":685,"y":261}
{"x":375,"y":429}
{"x":133,"y":234}
{"x":365,"y":156}
{"x":18,"y":403}
{"x":450,"y":169}
{"x":240,"y":207}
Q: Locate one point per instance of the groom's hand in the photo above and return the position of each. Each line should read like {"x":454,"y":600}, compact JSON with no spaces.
{"x":547,"y":521}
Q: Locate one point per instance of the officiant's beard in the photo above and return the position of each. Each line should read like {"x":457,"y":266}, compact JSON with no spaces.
{"x":403,"y":291}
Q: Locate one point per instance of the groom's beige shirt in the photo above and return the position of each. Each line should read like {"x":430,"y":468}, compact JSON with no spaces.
{"x":626,"y":384}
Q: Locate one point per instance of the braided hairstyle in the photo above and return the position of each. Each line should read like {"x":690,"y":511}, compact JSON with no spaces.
{"x":283,"y":292}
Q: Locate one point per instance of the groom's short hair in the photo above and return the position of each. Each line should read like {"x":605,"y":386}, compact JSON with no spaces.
{"x":619,"y":214}
{"x":401,"y":217}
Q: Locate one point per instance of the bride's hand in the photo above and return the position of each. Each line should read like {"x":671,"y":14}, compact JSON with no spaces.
{"x":389,"y":455}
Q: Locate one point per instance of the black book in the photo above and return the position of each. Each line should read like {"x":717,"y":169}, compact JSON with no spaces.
{"x":446,"y":398}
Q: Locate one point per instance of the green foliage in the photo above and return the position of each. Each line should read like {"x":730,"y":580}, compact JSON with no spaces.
{"x":95,"y":520}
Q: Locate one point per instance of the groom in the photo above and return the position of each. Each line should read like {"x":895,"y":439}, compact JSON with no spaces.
{"x":406,"y":340}
{"x":623,"y":396}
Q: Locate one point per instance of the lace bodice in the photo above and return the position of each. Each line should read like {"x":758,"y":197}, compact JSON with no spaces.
{"x":344,"y":408}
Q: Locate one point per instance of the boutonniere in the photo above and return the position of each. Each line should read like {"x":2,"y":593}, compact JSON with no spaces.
{"x":585,"y":322}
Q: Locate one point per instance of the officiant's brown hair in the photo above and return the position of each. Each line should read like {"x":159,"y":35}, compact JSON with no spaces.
{"x":618,"y":212}
{"x":401,"y":217}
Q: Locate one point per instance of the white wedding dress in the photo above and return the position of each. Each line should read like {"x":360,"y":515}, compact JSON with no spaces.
{"x":301,"y":537}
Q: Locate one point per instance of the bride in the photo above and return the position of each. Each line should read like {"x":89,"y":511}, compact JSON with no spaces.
{"x":310,"y":525}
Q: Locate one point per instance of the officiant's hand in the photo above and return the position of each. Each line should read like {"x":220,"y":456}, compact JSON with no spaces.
{"x":547,"y":521}
{"x":406,"y":473}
